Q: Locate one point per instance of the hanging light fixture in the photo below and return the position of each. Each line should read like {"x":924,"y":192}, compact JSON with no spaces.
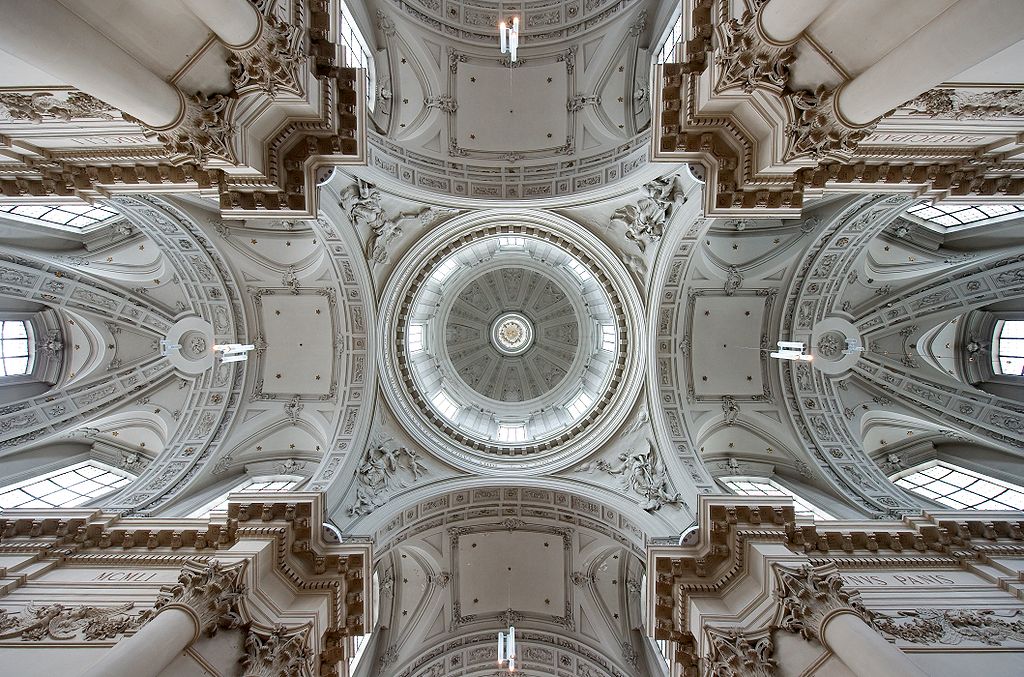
{"x":232,"y":352}
{"x":792,"y":350}
{"x":507,"y":649}
{"x":508,"y":38}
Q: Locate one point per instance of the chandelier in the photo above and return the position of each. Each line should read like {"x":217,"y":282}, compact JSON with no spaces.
{"x":507,"y":649}
{"x":508,"y":37}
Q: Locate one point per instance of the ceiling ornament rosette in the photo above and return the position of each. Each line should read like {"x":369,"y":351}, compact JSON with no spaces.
{"x":535,"y":412}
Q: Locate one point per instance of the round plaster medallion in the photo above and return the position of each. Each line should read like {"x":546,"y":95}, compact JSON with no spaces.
{"x":512,"y":334}
{"x":505,"y":338}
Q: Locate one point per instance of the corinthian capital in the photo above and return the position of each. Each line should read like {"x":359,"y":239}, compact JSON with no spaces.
{"x":208,"y":592}
{"x":271,"y":63}
{"x":809,"y":595}
{"x":280,"y":651}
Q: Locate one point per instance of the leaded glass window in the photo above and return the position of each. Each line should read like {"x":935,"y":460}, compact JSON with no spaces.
{"x":15,"y":348}
{"x":960,"y":488}
{"x":249,"y":485}
{"x":960,"y":214}
{"x":65,"y":488}
{"x":749,"y":486}
{"x":1008,"y":347}
{"x":71,"y":215}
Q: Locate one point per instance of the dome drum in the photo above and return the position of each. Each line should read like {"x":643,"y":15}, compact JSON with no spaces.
{"x":509,"y":343}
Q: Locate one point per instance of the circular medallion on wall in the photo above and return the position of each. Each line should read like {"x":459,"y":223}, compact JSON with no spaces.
{"x":510,"y":342}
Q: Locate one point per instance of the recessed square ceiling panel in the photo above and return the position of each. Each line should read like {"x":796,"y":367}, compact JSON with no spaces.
{"x":300,"y":343}
{"x":511,"y":109}
{"x":726,"y":357}
{"x":538,"y":562}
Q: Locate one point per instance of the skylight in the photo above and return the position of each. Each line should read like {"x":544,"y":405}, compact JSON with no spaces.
{"x":73,"y":216}
{"x":959,"y":214}
{"x":65,"y":488}
{"x":962,"y":489}
{"x":769,"y":487}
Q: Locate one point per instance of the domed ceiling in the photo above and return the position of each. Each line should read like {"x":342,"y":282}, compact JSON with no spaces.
{"x":510,"y":340}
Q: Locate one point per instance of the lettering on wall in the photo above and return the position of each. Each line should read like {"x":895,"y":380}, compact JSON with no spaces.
{"x":898,"y":579}
{"x":126,"y":576}
{"x":923,"y":138}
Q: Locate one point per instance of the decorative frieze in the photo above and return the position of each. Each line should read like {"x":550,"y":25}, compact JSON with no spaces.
{"x":961,"y":104}
{"x":43,"y":106}
{"x":61,"y":622}
{"x":954,"y":626}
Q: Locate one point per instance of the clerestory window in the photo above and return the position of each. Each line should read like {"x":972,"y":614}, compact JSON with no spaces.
{"x":762,"y":486}
{"x":668,"y":50}
{"x":71,"y":216}
{"x":249,"y":485}
{"x":15,"y":348}
{"x":960,"y":214}
{"x":65,"y":488}
{"x":961,"y":488}
{"x":1008,"y":347}
{"x":355,"y":53}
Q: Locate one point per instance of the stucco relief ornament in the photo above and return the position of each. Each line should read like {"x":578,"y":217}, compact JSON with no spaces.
{"x":643,"y":473}
{"x":806,"y":595}
{"x":645,"y":221}
{"x":953,"y":626}
{"x":383,"y":469}
{"x":56,"y":621}
{"x":950,"y":103}
{"x":210,"y":591}
{"x":41,"y":106}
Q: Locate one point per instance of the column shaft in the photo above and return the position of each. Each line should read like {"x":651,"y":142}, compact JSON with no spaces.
{"x":150,"y":650}
{"x":52,"y":38}
{"x":864,"y":651}
{"x":236,"y":22}
{"x":783,"y":21}
{"x":966,"y":34}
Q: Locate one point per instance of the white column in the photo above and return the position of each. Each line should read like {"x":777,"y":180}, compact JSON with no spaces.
{"x":863,"y":650}
{"x":150,"y":650}
{"x":236,"y":22}
{"x":52,"y":38}
{"x":966,"y":34}
{"x":783,"y":21}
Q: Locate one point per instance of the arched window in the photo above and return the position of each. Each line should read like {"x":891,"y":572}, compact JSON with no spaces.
{"x":249,"y":485}
{"x":1008,"y":348}
{"x":15,"y":348}
{"x":71,"y":216}
{"x":65,"y":488}
{"x":953,"y":215}
{"x":960,"y":488}
{"x":762,"y":486}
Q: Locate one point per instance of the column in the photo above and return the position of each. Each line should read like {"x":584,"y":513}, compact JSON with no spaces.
{"x":863,"y":650}
{"x":783,"y":21}
{"x":52,"y":38}
{"x":237,"y":23}
{"x":150,"y":650}
{"x":966,"y":34}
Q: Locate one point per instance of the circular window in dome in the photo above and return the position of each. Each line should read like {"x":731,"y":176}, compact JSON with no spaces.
{"x":508,"y":343}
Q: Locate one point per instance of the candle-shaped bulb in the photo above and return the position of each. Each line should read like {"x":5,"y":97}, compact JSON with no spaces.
{"x":502,"y":30}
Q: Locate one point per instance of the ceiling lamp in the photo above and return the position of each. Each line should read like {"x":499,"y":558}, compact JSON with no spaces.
{"x":507,"y":649}
{"x":233,"y":352}
{"x":792,"y":350}
{"x":508,"y":36}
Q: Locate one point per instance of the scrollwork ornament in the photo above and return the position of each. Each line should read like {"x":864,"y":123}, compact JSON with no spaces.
{"x":59,"y":622}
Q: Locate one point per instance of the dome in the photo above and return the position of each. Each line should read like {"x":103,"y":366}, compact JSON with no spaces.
{"x":510,"y":340}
